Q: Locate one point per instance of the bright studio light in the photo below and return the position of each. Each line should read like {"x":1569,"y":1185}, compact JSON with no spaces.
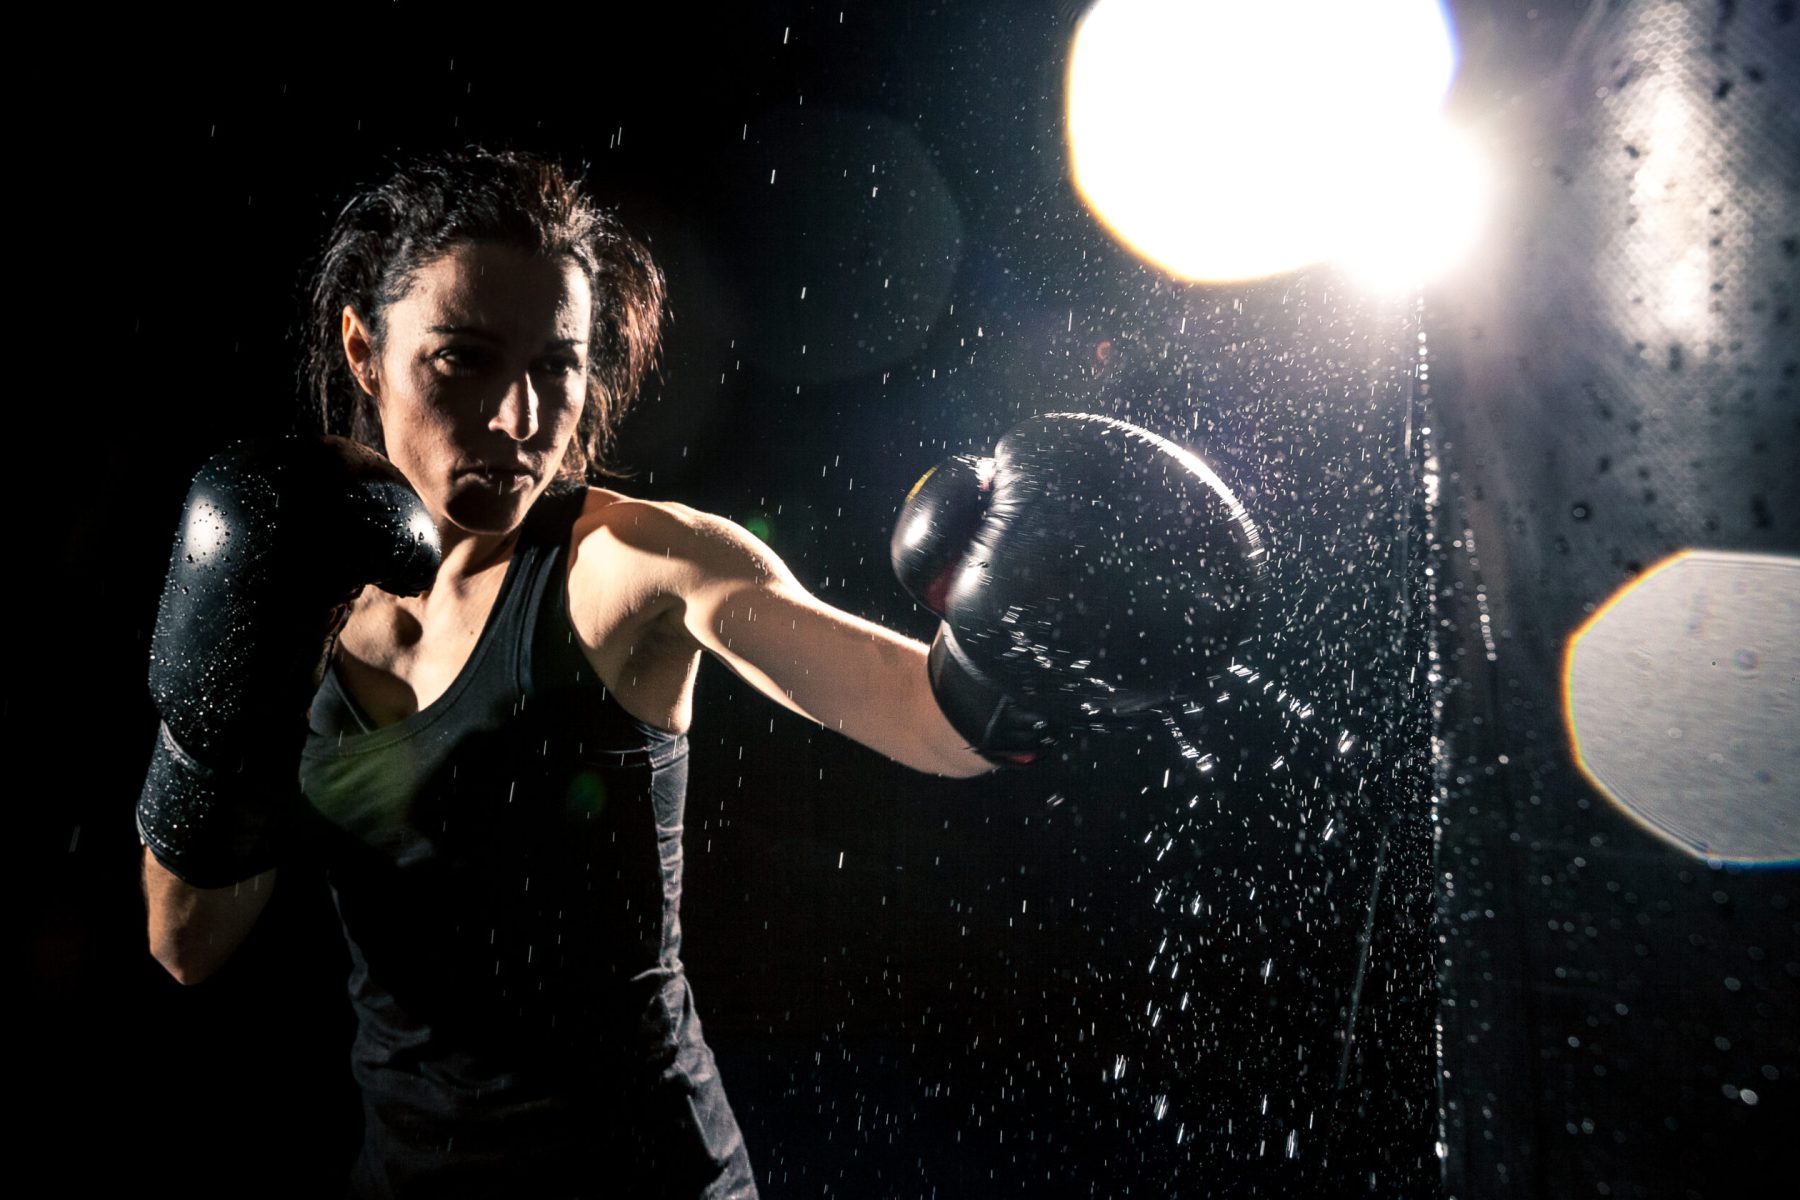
{"x":1423,"y":221}
{"x":1231,"y":141}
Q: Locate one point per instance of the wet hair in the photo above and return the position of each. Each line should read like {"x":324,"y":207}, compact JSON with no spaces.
{"x":434,"y":203}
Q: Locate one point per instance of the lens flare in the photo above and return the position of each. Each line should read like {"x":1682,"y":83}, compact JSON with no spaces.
{"x":1682,"y":699}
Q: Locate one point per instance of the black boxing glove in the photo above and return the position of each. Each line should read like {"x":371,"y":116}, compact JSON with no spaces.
{"x":937,"y":524}
{"x":1090,"y":570}
{"x":275,"y":540}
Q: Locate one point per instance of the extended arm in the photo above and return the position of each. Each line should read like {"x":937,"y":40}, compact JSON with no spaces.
{"x":737,"y":599}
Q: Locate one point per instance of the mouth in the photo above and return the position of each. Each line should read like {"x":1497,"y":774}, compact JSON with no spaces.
{"x":503,"y":477}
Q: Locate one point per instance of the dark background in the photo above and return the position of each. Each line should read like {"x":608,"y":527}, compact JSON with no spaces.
{"x":1111,"y":977}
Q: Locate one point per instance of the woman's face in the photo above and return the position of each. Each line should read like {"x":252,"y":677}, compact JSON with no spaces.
{"x":481,"y":380}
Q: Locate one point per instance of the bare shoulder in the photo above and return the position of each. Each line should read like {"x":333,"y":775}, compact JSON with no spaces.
{"x":666,"y":543}
{"x":635,"y":560}
{"x":618,"y":546}
{"x":612,"y":522}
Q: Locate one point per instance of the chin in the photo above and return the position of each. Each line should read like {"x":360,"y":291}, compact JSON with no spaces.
{"x":482,"y":511}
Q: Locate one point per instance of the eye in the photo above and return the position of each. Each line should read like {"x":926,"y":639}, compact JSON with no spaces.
{"x":560,"y":364}
{"x":461,"y":360}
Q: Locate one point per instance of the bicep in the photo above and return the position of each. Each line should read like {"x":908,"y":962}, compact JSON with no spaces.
{"x":740,"y":602}
{"x":746,"y":606}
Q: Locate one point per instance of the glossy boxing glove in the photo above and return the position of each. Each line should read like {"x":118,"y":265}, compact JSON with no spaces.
{"x":938,"y":523}
{"x":275,"y":540}
{"x":1089,"y":570}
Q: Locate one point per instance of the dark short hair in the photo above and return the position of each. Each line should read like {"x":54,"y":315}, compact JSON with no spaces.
{"x":435,"y":202}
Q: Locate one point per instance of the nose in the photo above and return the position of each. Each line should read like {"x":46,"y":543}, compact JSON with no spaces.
{"x":517,"y":413}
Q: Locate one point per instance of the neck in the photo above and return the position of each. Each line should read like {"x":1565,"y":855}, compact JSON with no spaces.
{"x":470,"y":554}
{"x":467,"y":554}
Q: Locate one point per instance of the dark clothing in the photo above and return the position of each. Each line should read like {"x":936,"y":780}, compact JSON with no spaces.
{"x":507,"y":866}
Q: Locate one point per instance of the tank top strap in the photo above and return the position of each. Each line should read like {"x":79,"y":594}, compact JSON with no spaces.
{"x":495,"y":672}
{"x":550,"y":662}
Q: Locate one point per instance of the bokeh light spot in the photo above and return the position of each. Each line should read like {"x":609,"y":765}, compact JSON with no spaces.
{"x":587,"y":794}
{"x":1682,"y":701}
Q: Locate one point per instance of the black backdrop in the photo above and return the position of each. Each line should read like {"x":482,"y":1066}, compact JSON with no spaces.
{"x":1064,"y":982}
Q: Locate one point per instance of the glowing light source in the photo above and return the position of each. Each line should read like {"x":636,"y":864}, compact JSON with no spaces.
{"x":1232,"y":141}
{"x":1391,"y":243}
{"x":1682,"y":698}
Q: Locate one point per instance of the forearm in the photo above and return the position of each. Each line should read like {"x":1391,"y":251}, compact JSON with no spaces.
{"x":851,"y":675}
{"x":911,"y":727}
{"x":192,"y":930}
{"x":863,"y":680}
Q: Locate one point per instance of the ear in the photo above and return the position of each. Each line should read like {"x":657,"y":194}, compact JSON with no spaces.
{"x":359,"y":351}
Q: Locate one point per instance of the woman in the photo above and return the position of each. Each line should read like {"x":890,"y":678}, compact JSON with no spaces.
{"x":494,"y":769}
